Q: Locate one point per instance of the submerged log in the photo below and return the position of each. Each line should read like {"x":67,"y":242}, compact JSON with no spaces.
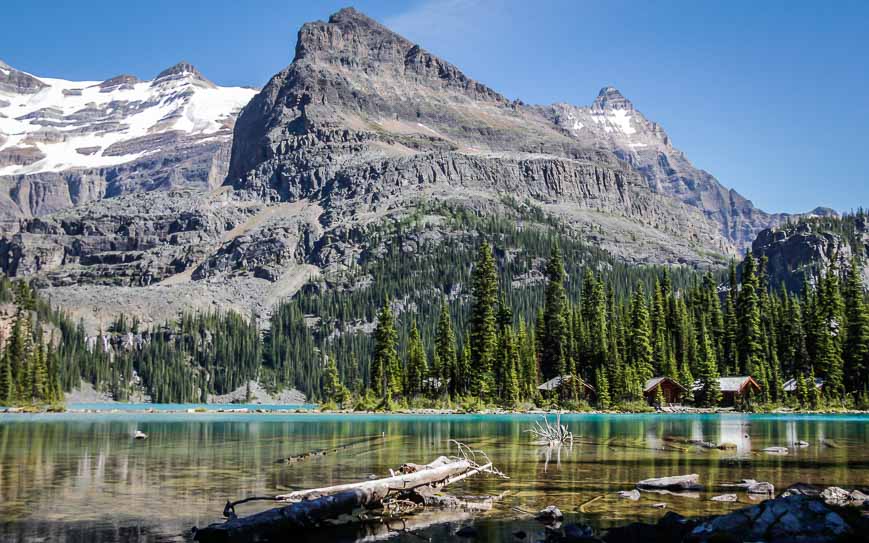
{"x":276,"y":523}
{"x":439,"y":471}
{"x":318,"y":507}
{"x":331,"y":450}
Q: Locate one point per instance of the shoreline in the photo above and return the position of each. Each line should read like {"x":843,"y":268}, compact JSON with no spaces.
{"x":113,"y":408}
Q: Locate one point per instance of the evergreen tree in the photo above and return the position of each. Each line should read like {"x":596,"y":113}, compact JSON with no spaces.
{"x":333,"y":389}
{"x":640,"y":345}
{"x":802,"y":391}
{"x":385,"y":370}
{"x":750,"y":351}
{"x":709,"y":393}
{"x":856,"y":352}
{"x":603,"y":388}
{"x":417,"y":368}
{"x":7,"y":383}
{"x":554,"y":333}
{"x":483,"y":326}
{"x":831,"y":309}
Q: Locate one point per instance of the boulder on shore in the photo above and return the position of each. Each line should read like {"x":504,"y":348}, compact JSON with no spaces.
{"x":792,"y":518}
{"x":676,"y":482}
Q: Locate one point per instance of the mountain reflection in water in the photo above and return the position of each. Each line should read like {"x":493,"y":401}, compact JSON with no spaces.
{"x":81,"y":477}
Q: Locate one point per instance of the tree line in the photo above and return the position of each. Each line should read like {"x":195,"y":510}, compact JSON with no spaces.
{"x":693,"y":335}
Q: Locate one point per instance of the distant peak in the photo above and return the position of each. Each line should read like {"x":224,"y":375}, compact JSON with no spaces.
{"x":182,"y":69}
{"x":350,"y":14}
{"x":119,"y":81}
{"x":610,"y":98}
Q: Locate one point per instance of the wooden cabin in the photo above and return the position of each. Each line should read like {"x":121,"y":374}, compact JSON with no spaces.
{"x":672,"y":391}
{"x":736,"y":390}
{"x":552,"y":388}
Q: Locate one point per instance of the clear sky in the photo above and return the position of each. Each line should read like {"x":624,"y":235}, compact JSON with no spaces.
{"x":770,"y":97}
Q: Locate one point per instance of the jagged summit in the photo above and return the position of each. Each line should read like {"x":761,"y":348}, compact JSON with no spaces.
{"x":357,"y":42}
{"x":181,"y":70}
{"x":610,"y":98}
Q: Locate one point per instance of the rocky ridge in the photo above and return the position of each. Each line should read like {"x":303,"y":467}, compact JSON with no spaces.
{"x":65,"y":143}
{"x":363,"y":129}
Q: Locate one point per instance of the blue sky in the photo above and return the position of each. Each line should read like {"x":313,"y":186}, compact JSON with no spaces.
{"x":770,"y":97}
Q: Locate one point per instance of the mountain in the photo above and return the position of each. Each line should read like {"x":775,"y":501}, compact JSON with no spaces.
{"x":368,"y":150}
{"x":65,"y":143}
{"x":612,"y":123}
{"x":799,"y":252}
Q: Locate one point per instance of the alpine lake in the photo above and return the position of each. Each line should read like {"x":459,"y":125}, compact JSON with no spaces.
{"x":80,"y":476}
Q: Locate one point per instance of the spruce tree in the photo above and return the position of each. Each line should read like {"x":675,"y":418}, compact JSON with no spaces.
{"x":385,"y":369}
{"x":7,"y":382}
{"x":856,"y":352}
{"x":748,"y":316}
{"x":709,"y":394}
{"x":603,"y":388}
{"x":484,"y":340}
{"x":831,"y":308}
{"x":640,"y":344}
{"x":333,"y":389}
{"x":555,"y":333}
{"x":445,"y":348}
{"x":802,"y":391}
{"x":417,"y":367}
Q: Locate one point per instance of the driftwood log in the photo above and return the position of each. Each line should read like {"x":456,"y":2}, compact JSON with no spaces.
{"x":318,"y":507}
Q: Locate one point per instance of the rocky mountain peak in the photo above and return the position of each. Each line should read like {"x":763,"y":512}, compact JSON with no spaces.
{"x":610,"y":98}
{"x":12,"y":80}
{"x":353,"y":41}
{"x":182,"y":70}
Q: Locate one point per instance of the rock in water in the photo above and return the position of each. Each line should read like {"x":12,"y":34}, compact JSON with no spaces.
{"x":761,"y":488}
{"x":676,"y":483}
{"x":630,"y":494}
{"x":776,"y":450}
{"x":724,"y":498}
{"x":782,"y":520}
{"x":140,"y":435}
{"x":549,"y":515}
{"x":801,"y":444}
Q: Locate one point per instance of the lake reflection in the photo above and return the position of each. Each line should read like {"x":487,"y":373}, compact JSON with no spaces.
{"x":81,"y":477}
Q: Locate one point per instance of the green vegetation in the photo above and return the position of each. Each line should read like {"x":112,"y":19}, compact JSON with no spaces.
{"x":448,"y":308}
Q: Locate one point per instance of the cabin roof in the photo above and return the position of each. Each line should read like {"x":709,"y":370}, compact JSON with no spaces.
{"x":732,"y":384}
{"x":653,"y":383}
{"x":791,"y":384}
{"x":557,"y":381}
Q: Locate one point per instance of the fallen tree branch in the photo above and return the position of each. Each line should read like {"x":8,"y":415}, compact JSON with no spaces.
{"x":332,"y":450}
{"x":408,"y":491}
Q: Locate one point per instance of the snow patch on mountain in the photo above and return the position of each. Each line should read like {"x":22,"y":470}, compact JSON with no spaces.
{"x":75,"y":124}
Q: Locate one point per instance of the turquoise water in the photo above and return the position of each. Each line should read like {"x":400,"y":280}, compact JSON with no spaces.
{"x":81,"y":476}
{"x":120,"y":406}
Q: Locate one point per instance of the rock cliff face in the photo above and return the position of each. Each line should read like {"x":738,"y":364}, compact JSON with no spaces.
{"x":363,"y":129}
{"x":612,"y":123}
{"x":66,"y":143}
{"x":802,"y":251}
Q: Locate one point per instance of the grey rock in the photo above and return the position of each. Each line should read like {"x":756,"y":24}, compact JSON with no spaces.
{"x":761,"y":488}
{"x":549,"y":515}
{"x":676,"y":482}
{"x":630,"y":494}
{"x":725,"y":498}
{"x":776,"y":450}
{"x":784,"y":519}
